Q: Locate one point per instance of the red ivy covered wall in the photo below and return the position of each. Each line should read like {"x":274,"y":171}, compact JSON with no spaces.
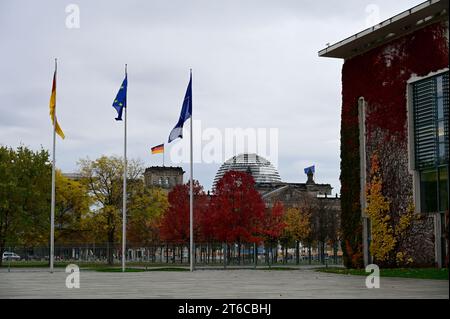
{"x":380,"y":76}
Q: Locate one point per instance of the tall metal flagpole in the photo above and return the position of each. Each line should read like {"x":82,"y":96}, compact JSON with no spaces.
{"x":52,"y":213}
{"x":124,"y":207}
{"x":191,"y":199}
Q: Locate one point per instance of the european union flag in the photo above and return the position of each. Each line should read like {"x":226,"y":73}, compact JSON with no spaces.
{"x":311,"y":168}
{"x":186,"y":113}
{"x":121,"y":99}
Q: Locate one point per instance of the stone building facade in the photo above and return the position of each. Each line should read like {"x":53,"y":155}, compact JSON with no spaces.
{"x":165,"y":177}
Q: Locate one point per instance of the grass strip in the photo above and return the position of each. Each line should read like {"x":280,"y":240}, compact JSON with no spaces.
{"x":418,"y":273}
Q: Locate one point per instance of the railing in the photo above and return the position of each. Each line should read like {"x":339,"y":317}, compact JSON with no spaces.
{"x":206,"y":254}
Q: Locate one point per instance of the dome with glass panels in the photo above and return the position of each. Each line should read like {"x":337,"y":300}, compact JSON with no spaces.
{"x":260,"y":168}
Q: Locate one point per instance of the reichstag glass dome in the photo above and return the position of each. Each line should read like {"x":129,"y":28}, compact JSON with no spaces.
{"x":260,"y":168}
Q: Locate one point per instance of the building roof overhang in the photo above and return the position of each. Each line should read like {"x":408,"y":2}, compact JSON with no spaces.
{"x":399,"y":25}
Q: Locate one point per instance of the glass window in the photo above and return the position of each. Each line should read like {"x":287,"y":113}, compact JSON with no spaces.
{"x":442,"y":152}
{"x":439,"y":86}
{"x":428,"y":191}
{"x":443,"y":189}
{"x":440,"y":108}
{"x":430,"y":115}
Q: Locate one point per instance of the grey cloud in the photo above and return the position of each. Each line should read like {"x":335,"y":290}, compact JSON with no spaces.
{"x":255,"y":65}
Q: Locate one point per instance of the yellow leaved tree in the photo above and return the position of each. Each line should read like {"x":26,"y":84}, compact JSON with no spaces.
{"x":298,"y":227}
{"x":387,"y":231}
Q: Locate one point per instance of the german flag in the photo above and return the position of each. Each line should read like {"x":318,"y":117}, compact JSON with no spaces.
{"x":57,"y":128}
{"x":158,"y":149}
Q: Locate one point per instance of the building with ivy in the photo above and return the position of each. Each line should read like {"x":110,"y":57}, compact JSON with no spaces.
{"x":395,"y":105}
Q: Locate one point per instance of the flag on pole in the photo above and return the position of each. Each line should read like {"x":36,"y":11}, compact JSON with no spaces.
{"x":177,"y":131}
{"x":186,"y":112}
{"x":311,"y":169}
{"x":158,"y":149}
{"x":120,"y":102}
{"x":58,"y":129}
{"x":121,"y":99}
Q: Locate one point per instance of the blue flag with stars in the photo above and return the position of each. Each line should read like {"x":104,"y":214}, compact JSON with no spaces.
{"x":121,"y":99}
{"x":311,"y":169}
{"x":186,"y":113}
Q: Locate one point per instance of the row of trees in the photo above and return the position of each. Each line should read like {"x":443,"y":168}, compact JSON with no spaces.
{"x":88,"y":210}
{"x":25,"y":178}
{"x":237,"y":214}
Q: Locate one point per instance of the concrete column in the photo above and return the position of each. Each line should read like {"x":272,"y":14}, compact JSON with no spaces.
{"x":365,"y":240}
{"x":363,"y":179}
{"x":438,"y":239}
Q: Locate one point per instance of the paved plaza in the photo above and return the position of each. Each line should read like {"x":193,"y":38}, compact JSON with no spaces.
{"x":301,"y":283}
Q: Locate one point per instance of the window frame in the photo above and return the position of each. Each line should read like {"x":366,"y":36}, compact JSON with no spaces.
{"x":414,"y":171}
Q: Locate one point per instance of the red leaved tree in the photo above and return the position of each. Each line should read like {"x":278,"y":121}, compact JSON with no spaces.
{"x":274,"y":222}
{"x":175,"y":221}
{"x":237,"y":210}
{"x":273,"y":226}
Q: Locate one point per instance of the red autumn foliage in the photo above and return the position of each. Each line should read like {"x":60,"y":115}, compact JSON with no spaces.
{"x":237,"y":209}
{"x":235,"y":214}
{"x":273,"y":224}
{"x":175,"y":222}
{"x":380,"y":76}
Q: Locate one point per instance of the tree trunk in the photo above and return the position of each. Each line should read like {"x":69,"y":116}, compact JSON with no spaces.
{"x":239,"y":252}
{"x":286,"y":254}
{"x":189,"y":254}
{"x":2,"y":250}
{"x":224,"y":255}
{"x":203,"y":253}
{"x":173,"y":254}
{"x":319,"y":251}
{"x":209,"y":250}
{"x":272,"y":257}
{"x":322,"y":251}
{"x":309,"y":253}
{"x":266,"y":253}
{"x":167,"y":254}
{"x":335,"y":250}
{"x":297,"y":252}
{"x":276,"y":253}
{"x":111,"y":247}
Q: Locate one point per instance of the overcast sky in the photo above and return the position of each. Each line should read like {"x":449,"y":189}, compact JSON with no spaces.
{"x":255,"y":65}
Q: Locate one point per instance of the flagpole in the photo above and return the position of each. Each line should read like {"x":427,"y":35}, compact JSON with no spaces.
{"x":163,"y":155}
{"x":52,"y":209}
{"x":191,"y":199}
{"x":124,"y":204}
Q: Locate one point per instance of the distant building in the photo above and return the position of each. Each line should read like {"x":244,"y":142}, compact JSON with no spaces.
{"x":395,"y":103}
{"x":268,"y":181}
{"x":73,"y":176}
{"x":165,"y":177}
{"x":325,"y":208}
{"x":260,"y":168}
{"x":267,"y":178}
